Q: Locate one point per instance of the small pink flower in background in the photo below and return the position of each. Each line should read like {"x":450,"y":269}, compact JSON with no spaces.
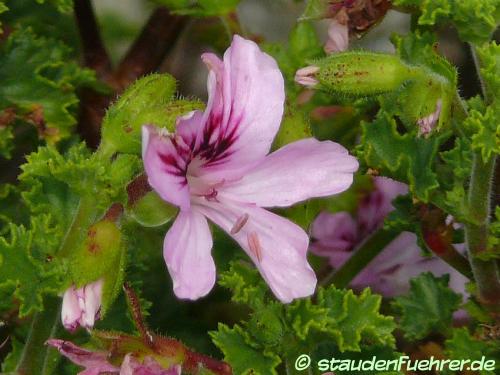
{"x":336,"y":235}
{"x":216,"y":166}
{"x":96,"y":362}
{"x":81,"y":306}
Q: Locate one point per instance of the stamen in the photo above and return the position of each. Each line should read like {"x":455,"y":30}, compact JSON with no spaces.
{"x":254,"y":245}
{"x":211,"y":196}
{"x":240,"y":223}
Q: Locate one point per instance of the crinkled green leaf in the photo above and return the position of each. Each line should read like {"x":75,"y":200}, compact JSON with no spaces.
{"x":485,"y":130}
{"x":355,"y":319}
{"x":489,"y":54}
{"x":27,"y":266}
{"x":428,"y":306}
{"x":266,"y":325}
{"x":238,"y":350}
{"x":462,"y":345}
{"x":453,"y":175}
{"x":38,"y":80}
{"x":475,"y":20}
{"x":303,"y":316}
{"x":403,"y":157}
{"x":245,"y":284}
{"x":58,"y":181}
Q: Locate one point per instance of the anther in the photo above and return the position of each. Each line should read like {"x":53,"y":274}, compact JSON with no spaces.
{"x":240,"y":223}
{"x":254,"y":245}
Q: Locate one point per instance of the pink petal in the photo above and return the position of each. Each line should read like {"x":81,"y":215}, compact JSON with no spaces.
{"x":187,"y":252}
{"x":95,"y":363}
{"x":131,"y":366}
{"x":91,"y":303}
{"x":338,"y":37}
{"x":298,"y":171}
{"x":70,"y":312}
{"x":165,"y":167}
{"x":277,"y":246}
{"x":245,"y":107}
{"x":334,"y":236}
{"x":373,"y":209}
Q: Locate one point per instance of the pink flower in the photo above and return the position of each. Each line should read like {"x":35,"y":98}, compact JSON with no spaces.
{"x":216,"y":166}
{"x":81,"y":306}
{"x":336,"y":235}
{"x":132,"y":366}
{"x":96,"y":362}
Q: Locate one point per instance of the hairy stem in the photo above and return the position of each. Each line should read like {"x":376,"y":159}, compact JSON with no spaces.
{"x":363,"y":255}
{"x":485,"y":273}
{"x":35,"y":356}
{"x":477,"y":63}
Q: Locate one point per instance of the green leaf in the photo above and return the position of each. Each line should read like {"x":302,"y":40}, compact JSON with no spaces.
{"x":303,"y":317}
{"x":453,"y":175}
{"x":489,"y":55}
{"x":316,"y":9}
{"x":245,"y":284}
{"x":6,"y":142}
{"x":3,"y":8}
{"x":238,"y":350}
{"x":463,"y":346}
{"x":39,"y":81}
{"x":485,"y":130}
{"x":403,"y":157}
{"x":27,"y":266}
{"x":353,"y":319}
{"x":428,"y":306}
{"x":475,"y":20}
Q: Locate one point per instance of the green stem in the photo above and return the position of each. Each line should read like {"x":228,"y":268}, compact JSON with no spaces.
{"x":363,"y":255}
{"x":35,"y":353}
{"x":477,"y":64}
{"x":485,"y":273}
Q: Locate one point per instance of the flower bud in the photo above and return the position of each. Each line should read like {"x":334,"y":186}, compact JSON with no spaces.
{"x":359,"y":73}
{"x":81,"y":306}
{"x":100,"y":257}
{"x":306,"y":76}
{"x":150,"y":100}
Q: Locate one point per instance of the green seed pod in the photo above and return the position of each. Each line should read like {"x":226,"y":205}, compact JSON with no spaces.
{"x":363,"y":73}
{"x":148,"y":101}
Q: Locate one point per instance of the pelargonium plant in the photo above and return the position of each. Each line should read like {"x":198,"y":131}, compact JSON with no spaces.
{"x":249,"y":187}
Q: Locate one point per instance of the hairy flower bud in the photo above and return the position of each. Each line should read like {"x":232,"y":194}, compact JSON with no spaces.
{"x":150,"y":100}
{"x":358,"y":73}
